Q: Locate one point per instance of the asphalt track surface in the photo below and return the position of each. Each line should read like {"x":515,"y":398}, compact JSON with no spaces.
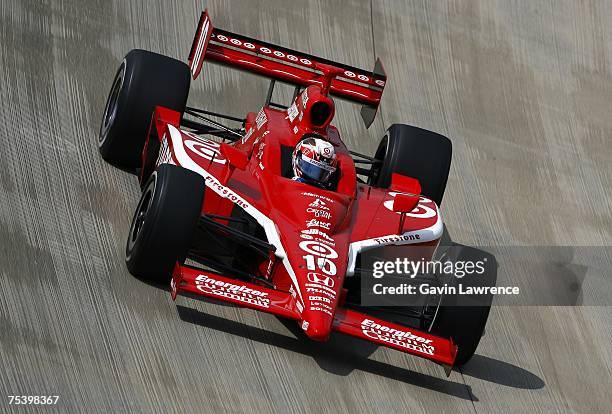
{"x":524,"y":89}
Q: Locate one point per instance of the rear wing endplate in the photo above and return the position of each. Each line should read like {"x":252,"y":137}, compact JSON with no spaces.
{"x":286,"y":65}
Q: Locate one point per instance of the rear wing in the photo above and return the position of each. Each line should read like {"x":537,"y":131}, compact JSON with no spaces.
{"x":285,"y":65}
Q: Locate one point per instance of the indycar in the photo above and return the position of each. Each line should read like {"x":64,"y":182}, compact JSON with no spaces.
{"x":221,"y":217}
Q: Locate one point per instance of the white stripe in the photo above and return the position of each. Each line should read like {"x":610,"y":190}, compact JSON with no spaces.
{"x":426,"y":235}
{"x":214,"y":184}
{"x":198,"y":53}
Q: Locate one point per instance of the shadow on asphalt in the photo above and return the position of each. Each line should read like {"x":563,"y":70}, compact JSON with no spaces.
{"x":333,"y":356}
{"x":503,"y":373}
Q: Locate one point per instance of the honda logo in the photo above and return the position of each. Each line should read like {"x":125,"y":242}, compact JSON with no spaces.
{"x":320,"y":279}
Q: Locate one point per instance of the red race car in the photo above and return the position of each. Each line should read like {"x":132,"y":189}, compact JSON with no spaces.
{"x":273,"y":214}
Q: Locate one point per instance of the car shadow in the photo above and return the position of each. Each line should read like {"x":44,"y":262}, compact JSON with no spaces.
{"x":336,"y":356}
{"x":502,"y":373}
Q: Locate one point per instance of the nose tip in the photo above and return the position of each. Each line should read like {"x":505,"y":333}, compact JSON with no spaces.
{"x":317,"y":330}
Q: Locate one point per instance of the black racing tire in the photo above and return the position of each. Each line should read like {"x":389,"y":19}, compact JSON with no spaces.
{"x":464,"y":325}
{"x":143,"y":81}
{"x":416,"y":153}
{"x":463,"y":317}
{"x":164,"y":222}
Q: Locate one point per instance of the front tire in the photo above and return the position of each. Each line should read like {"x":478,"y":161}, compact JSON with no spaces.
{"x":164,"y":222}
{"x":143,"y":81}
{"x":416,"y":153}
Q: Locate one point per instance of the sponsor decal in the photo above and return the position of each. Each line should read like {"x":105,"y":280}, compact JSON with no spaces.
{"x":260,"y":150}
{"x":292,"y":112}
{"x":319,"y":279}
{"x":304,"y":98}
{"x":321,"y":197}
{"x":230,"y":290}
{"x":317,"y":232}
{"x":261,"y":119}
{"x":164,"y":156}
{"x":246,"y":136}
{"x":318,"y":223}
{"x":422,"y":210}
{"x":395,"y":239}
{"x":404,"y":339}
{"x":225,"y":192}
{"x":317,"y":290}
{"x":305,"y":325}
{"x":295,"y":129}
{"x":319,"y":213}
{"x":204,"y":148}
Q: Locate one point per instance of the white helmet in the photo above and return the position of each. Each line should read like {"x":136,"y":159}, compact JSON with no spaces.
{"x":314,"y":161}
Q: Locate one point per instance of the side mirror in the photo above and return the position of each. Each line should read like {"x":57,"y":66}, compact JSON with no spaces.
{"x":235,"y":157}
{"x":405,"y":203}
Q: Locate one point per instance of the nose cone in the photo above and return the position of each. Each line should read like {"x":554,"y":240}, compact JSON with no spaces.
{"x":317,"y":325}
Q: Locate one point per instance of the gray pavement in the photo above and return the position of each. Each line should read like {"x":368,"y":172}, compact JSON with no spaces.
{"x":523,"y":89}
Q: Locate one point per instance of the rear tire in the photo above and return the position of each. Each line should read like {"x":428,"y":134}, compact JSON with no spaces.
{"x":164,"y":222}
{"x":416,"y":153}
{"x":143,"y":81}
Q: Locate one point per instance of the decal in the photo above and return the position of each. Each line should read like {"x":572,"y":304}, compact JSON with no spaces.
{"x":319,"y":204}
{"x":205,"y":148}
{"x":240,"y":293}
{"x":315,"y":247}
{"x":292,"y":112}
{"x":318,"y":223}
{"x":305,"y":325}
{"x":405,"y":339}
{"x":304,"y":98}
{"x":319,"y":291}
{"x":246,"y":136}
{"x":164,"y":156}
{"x":422,"y":210}
{"x":319,"y":213}
{"x":320,"y":279}
{"x":295,"y":129}
{"x":261,"y":119}
{"x":394,"y":239}
{"x":308,"y":194}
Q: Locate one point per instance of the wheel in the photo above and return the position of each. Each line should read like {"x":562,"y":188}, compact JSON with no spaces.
{"x":463,"y":317}
{"x":417,"y":153}
{"x":143,"y":81}
{"x":164,"y":222}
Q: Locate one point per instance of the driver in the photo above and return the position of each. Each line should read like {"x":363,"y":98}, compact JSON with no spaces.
{"x":314,"y":162}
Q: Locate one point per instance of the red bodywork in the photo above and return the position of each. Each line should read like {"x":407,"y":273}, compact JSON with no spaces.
{"x":317,"y":233}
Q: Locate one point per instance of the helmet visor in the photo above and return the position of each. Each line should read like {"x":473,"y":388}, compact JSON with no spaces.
{"x":314,"y":170}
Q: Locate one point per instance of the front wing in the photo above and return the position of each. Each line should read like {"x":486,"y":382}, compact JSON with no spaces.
{"x":187,"y":280}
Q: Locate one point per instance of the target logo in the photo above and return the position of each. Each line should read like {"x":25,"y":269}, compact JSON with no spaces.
{"x":206,"y":149}
{"x":425,"y":209}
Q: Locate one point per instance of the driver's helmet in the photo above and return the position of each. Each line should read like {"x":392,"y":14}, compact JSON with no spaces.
{"x":314,"y":161}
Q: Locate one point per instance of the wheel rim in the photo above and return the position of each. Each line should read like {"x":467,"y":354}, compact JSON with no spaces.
{"x":140,"y":216}
{"x":110,"y":110}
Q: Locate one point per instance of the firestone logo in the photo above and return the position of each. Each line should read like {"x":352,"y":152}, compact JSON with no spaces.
{"x":405,"y":339}
{"x":229,"y":290}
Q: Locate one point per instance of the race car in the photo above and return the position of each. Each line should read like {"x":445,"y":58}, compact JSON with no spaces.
{"x":234,"y":213}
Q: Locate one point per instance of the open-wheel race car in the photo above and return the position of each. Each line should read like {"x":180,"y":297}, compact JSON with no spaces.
{"x":273,"y":214}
